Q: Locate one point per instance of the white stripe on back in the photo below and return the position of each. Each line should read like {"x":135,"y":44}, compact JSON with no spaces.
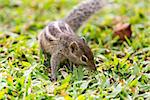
{"x":68,"y":29}
{"x":49,"y":34}
{"x":56,"y":24}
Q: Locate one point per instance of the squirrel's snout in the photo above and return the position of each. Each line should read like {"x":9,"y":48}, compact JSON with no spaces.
{"x":92,"y":67}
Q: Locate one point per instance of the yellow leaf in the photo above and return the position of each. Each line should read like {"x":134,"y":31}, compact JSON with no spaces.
{"x":63,"y":93}
{"x":1,"y":94}
{"x":9,"y":79}
{"x":67,"y":97}
{"x":26,"y":64}
{"x":81,"y":97}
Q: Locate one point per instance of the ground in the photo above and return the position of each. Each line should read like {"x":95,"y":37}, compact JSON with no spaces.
{"x":123,"y":66}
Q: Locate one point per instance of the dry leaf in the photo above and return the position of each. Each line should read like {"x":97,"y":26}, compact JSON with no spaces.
{"x":123,"y":30}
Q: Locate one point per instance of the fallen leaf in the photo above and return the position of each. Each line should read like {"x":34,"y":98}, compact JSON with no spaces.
{"x":123,"y":30}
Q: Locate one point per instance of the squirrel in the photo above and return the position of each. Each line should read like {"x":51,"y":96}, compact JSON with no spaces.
{"x":59,"y":40}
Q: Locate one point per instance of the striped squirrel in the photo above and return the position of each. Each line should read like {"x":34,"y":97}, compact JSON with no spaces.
{"x":59,"y":40}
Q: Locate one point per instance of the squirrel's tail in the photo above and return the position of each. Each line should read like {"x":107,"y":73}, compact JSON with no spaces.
{"x":81,"y":13}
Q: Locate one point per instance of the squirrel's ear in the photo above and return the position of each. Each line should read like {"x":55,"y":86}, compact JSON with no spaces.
{"x":73,"y":46}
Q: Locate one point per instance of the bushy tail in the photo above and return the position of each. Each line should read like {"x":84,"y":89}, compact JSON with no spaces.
{"x":81,"y":13}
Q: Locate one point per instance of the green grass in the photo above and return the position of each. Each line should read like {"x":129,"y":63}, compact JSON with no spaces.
{"x":123,"y":67}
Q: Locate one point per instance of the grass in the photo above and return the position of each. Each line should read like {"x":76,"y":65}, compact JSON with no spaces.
{"x":123,"y":67}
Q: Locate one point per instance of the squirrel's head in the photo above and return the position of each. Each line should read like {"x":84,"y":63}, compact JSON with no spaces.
{"x":80,"y":53}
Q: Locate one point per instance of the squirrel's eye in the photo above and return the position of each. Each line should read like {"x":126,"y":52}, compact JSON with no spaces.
{"x":84,"y":58}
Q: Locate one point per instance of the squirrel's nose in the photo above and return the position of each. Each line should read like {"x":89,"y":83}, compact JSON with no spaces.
{"x":93,"y":67}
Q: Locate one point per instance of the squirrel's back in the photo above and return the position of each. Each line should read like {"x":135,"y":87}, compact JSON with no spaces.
{"x":81,"y":13}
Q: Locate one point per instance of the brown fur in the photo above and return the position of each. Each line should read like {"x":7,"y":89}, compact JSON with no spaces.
{"x":59,"y":40}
